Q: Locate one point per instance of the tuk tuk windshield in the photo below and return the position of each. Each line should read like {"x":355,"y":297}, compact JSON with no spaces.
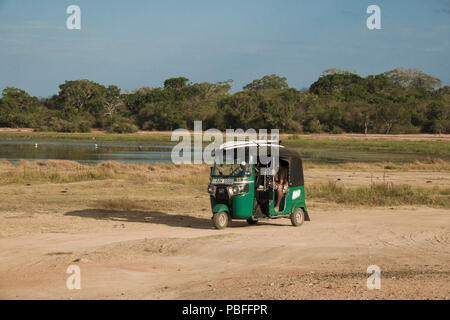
{"x":239,"y":167}
{"x":232,"y":170}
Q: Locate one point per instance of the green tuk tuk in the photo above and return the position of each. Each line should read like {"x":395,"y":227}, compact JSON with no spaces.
{"x":241,"y":190}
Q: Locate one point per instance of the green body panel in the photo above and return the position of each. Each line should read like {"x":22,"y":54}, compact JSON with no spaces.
{"x":301,"y":203}
{"x":213,"y":202}
{"x":220,"y":208}
{"x":242,"y":206}
{"x":291,"y":204}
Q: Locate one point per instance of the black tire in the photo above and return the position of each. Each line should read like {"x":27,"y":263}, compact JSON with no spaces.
{"x":252,"y":221}
{"x":220,"y":220}
{"x":297,"y":217}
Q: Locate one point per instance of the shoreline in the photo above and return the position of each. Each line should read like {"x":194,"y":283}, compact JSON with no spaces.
{"x":165,"y":135}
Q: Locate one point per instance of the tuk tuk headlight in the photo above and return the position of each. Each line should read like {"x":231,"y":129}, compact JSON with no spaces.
{"x":211,"y":189}
{"x":238,"y":189}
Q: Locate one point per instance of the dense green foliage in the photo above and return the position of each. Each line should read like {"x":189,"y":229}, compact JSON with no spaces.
{"x":398,"y":101}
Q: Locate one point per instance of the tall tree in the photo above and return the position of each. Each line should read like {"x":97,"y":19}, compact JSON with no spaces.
{"x":438,"y":116}
{"x":81,"y":95}
{"x":19,"y":109}
{"x":176,"y":83}
{"x":268,"y":82}
{"x":413,"y":79}
{"x":112,"y":100}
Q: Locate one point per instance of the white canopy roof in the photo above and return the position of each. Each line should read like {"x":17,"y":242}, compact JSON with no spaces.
{"x":249,"y":143}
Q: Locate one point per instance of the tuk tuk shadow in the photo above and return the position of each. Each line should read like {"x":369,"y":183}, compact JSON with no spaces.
{"x":155,"y":217}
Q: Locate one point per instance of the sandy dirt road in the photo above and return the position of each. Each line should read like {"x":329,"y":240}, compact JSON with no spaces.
{"x":156,"y":255}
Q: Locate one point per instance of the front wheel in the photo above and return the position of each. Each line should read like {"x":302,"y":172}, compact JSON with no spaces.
{"x":252,"y":221}
{"x":220,"y":220}
{"x":297,"y":217}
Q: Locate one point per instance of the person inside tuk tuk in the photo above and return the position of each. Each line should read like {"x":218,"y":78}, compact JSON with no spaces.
{"x":281,"y":181}
{"x":244,"y":169}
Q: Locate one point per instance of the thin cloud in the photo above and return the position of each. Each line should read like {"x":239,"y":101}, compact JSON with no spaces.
{"x":439,"y":11}
{"x":31,"y":25}
{"x":350,"y":13}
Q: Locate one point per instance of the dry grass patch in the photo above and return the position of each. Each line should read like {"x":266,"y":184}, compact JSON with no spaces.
{"x":382,"y":194}
{"x":53,"y":171}
{"x":63,"y":171}
{"x":194,"y":180}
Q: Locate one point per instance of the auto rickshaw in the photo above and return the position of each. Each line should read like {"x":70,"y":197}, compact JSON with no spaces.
{"x":241,"y":191}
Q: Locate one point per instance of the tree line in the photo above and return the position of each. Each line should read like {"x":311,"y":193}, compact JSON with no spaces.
{"x":397,"y":101}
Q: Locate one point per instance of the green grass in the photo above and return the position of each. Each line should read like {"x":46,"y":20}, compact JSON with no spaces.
{"x":383,"y":194}
{"x":83,"y":136}
{"x":430,"y":148}
{"x":432,"y":164}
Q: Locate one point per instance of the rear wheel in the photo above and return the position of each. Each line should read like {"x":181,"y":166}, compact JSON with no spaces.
{"x":297,"y":217}
{"x":252,"y":221}
{"x":220,"y":220}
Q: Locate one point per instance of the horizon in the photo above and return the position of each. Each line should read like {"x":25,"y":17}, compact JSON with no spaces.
{"x":138,"y":44}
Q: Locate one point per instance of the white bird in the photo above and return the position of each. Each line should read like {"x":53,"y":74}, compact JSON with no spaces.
{"x":35,"y":145}
{"x":96,"y":146}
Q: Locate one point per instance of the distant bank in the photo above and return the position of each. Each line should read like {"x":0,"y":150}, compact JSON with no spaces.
{"x":165,"y":135}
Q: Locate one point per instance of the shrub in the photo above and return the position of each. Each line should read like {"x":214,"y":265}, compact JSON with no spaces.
{"x":337,"y":130}
{"x":61,"y":125}
{"x":121,"y":125}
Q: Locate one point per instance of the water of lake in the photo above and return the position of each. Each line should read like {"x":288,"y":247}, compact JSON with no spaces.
{"x":154,"y":152}
{"x":85,"y":151}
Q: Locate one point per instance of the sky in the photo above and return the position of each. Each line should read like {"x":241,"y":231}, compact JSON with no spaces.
{"x":141,"y":43}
